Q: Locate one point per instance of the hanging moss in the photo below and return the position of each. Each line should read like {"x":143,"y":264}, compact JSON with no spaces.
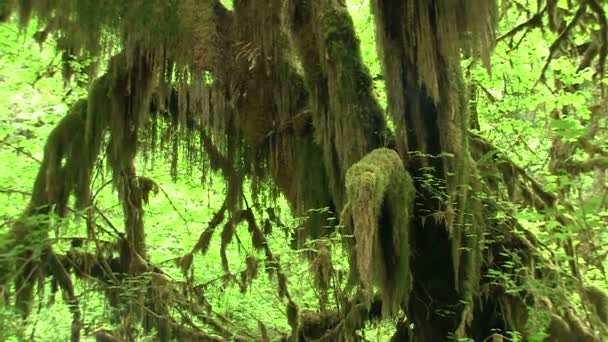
{"x":65,"y":169}
{"x":420,"y":44}
{"x":6,"y":9}
{"x":437,"y":31}
{"x":188,"y":35}
{"x":380,"y":204}
{"x":423,"y":62}
{"x":348,"y":121}
{"x":597,"y":299}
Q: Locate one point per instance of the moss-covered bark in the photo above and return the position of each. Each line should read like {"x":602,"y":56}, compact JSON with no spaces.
{"x":420,"y":43}
{"x":348,"y":121}
{"x":273,"y":115}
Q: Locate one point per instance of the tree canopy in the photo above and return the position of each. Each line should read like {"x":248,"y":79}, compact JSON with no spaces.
{"x":446,"y":158}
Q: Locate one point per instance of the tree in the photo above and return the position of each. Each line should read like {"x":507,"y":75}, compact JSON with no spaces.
{"x":279,"y":95}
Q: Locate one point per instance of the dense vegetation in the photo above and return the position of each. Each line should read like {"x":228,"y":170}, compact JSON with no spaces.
{"x":296,"y":170}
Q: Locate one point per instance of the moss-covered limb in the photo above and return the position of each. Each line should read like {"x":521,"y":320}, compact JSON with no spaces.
{"x":542,"y":287}
{"x":271,"y":116}
{"x":561,"y":151}
{"x":288,"y":150}
{"x":347,"y":119}
{"x":588,"y":165}
{"x":528,"y":191}
{"x":65,"y":169}
{"x":380,"y":197}
{"x":523,"y":188}
{"x":587,"y":13}
{"x":541,"y":304}
{"x":262,"y":106}
{"x":85,"y":27}
{"x":268,"y":106}
{"x":533,"y":194}
{"x":117,"y":101}
{"x":590,"y":148}
{"x":59,"y":273}
{"x":273,"y":113}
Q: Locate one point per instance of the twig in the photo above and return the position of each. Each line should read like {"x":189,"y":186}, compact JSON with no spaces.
{"x":174,"y":208}
{"x":14,"y":191}
{"x":560,"y":39}
{"x":535,"y":21}
{"x":20,"y":150}
{"x":601,"y":16}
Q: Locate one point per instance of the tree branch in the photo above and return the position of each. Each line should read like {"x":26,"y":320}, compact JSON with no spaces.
{"x":561,"y":38}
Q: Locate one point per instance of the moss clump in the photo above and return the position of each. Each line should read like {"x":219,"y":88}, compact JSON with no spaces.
{"x":380,"y":196}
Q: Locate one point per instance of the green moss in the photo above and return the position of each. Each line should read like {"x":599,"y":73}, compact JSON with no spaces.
{"x":380,"y":196}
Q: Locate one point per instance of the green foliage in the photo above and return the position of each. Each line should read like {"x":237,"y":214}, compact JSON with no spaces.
{"x":535,"y":120}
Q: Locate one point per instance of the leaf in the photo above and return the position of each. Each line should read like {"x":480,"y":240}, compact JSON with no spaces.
{"x":568,"y":128}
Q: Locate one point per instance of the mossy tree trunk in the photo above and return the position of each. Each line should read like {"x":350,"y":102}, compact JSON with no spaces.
{"x":426,"y":100}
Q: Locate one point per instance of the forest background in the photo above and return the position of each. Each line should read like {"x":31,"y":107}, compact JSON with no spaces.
{"x":514,"y":108}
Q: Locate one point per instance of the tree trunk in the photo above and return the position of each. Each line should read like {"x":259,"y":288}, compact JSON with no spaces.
{"x":426,"y":100}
